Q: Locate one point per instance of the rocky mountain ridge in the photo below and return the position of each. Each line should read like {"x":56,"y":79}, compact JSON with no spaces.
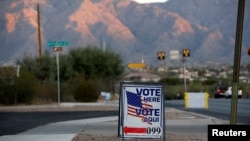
{"x":135,"y":31}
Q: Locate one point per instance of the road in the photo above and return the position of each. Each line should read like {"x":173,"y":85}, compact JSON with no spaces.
{"x":219,"y":108}
{"x":16,"y":122}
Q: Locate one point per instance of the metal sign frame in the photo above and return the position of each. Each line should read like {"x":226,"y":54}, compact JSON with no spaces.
{"x":141,"y":110}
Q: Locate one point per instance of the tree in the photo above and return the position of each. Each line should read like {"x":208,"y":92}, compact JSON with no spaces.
{"x":89,"y":62}
{"x":41,"y":69}
{"x":95,"y":63}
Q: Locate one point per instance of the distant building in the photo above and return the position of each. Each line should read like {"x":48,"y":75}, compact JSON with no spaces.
{"x":142,"y":77}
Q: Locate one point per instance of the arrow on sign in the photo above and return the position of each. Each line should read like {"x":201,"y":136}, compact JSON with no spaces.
{"x":134,"y":130}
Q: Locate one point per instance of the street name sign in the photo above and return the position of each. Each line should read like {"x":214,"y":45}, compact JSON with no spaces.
{"x":141,"y":112}
{"x":57,"y":43}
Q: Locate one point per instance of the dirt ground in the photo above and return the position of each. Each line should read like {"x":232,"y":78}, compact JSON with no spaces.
{"x":168,"y":136}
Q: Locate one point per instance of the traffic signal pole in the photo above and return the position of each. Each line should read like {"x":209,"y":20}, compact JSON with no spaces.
{"x":185,"y":53}
{"x":184,"y":74}
{"x":161,"y":56}
{"x":237,"y":57}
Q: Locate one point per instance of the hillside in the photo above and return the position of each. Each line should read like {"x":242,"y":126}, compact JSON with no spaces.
{"x":133,"y":30}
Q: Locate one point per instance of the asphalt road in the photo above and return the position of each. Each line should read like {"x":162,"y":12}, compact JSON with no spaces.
{"x":219,"y":108}
{"x":12,"y":123}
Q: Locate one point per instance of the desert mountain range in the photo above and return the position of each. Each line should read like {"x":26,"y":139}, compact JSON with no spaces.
{"x":135,"y":31}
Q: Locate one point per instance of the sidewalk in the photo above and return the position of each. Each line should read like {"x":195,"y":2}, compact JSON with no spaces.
{"x":177,"y":121}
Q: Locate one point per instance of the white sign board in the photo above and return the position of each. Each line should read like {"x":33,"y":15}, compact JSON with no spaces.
{"x":141,"y":110}
{"x":174,"y":54}
{"x":196,"y":100}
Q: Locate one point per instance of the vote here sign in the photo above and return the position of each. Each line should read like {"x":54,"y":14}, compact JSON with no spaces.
{"x":141,"y":110}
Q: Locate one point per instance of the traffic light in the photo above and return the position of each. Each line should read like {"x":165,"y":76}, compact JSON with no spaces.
{"x":185,"y":52}
{"x":248,"y":51}
{"x":161,"y":55}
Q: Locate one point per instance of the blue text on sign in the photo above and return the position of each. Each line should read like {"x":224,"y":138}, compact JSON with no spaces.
{"x":148,"y":112}
{"x":149,"y":92}
{"x":152,"y":99}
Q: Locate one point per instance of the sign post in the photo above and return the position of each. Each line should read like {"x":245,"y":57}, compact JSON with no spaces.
{"x":58,"y":77}
{"x":141,"y":108}
{"x":57,"y":47}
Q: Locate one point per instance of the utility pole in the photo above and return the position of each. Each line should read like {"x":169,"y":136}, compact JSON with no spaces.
{"x":39,"y":34}
{"x":237,"y":57}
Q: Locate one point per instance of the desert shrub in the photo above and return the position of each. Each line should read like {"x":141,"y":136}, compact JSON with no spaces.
{"x":86,"y":92}
{"x":25,"y":88}
{"x":46,"y":93}
{"x":173,"y":92}
{"x":7,"y":94}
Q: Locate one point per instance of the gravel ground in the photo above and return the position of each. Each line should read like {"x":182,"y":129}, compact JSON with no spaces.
{"x":169,"y":137}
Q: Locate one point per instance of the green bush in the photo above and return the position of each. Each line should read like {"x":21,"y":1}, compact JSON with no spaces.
{"x":14,"y":90}
{"x":7,"y":94}
{"x":86,"y":92}
{"x":173,"y":92}
{"x":25,"y":88}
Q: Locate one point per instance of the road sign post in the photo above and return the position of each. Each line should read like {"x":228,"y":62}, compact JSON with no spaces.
{"x":57,"y":47}
{"x":58,"y":77}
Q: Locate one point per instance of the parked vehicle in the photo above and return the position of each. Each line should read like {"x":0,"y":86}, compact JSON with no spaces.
{"x":228,"y":92}
{"x":220,"y":92}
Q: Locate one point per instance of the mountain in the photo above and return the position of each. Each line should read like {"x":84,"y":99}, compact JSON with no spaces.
{"x":135,"y":31}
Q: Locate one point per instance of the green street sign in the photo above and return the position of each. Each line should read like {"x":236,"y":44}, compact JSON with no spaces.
{"x":57,"y":43}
